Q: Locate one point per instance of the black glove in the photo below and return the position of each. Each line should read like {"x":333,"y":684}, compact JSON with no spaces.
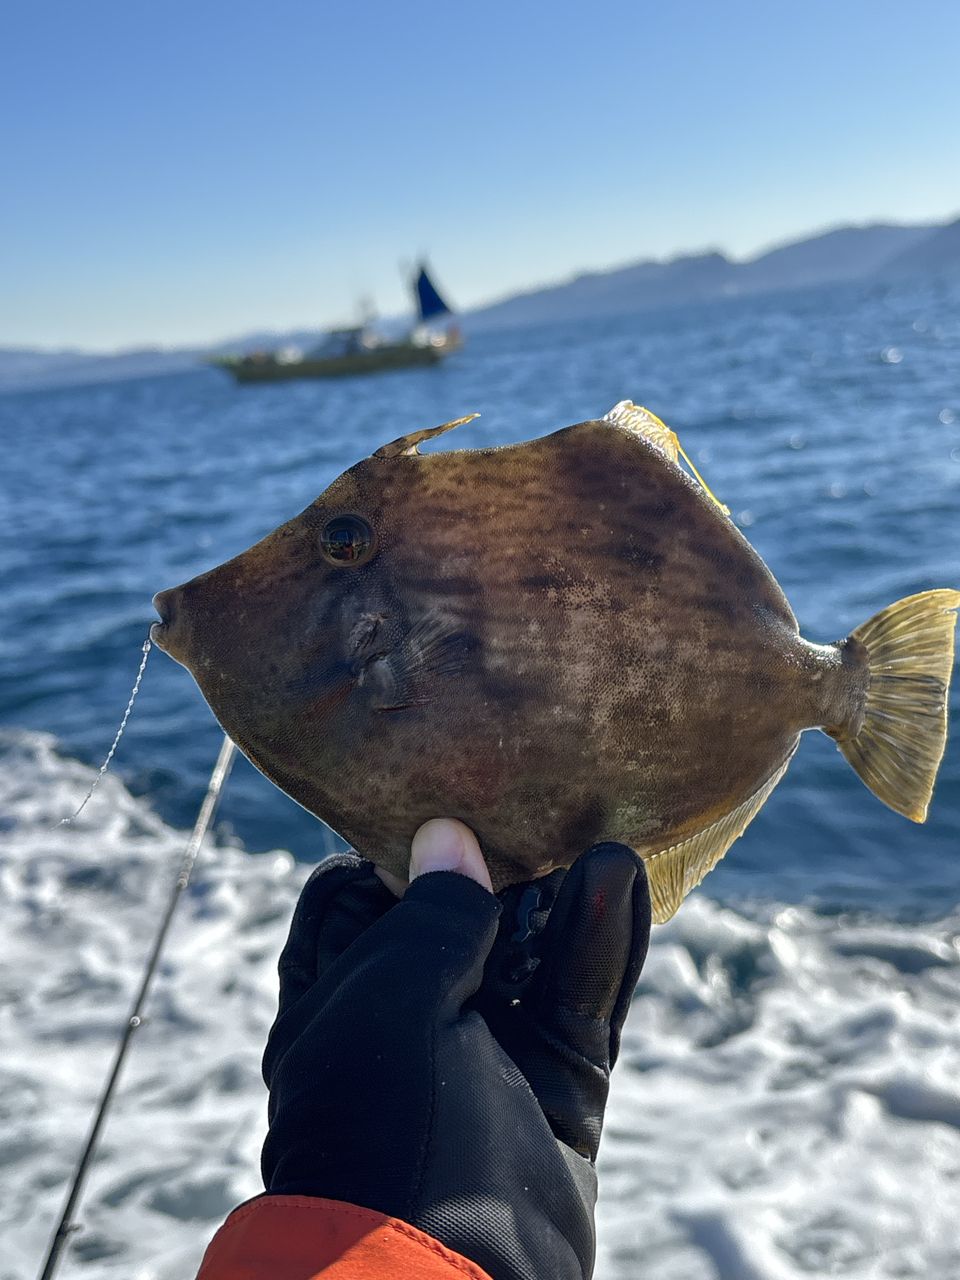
{"x":398,"y":1082}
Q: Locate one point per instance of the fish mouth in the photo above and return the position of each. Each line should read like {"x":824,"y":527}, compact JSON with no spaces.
{"x":164,"y":633}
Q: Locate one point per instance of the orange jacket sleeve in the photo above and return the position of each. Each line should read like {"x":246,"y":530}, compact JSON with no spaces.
{"x":306,"y":1238}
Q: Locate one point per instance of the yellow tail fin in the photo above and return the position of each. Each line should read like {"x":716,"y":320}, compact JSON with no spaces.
{"x":910,"y":657}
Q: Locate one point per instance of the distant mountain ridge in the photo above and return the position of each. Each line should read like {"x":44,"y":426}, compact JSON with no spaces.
{"x":880,"y":251}
{"x":832,"y":257}
{"x":937,"y":254}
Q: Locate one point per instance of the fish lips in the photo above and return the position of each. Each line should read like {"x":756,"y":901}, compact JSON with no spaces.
{"x":171,"y":633}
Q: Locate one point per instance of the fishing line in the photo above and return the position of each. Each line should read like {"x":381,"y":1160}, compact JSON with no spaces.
{"x":221,"y":769}
{"x":147,"y":646}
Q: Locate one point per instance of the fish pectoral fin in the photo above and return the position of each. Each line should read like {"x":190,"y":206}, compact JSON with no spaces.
{"x":633,"y":417}
{"x":436,"y":647}
{"x":407,"y":446}
{"x":675,"y":870}
{"x":408,"y":676}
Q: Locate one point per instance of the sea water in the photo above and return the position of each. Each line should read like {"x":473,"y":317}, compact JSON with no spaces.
{"x":787,"y":1103}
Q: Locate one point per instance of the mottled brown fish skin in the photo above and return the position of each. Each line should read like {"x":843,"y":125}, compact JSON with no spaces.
{"x":557,"y":642}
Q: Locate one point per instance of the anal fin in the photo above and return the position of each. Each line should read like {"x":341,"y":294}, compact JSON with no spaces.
{"x":675,"y":870}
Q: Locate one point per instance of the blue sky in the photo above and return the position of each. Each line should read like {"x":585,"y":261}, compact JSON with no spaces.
{"x":179,"y":172}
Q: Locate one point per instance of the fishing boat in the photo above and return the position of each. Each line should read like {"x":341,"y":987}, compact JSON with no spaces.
{"x":357,"y":350}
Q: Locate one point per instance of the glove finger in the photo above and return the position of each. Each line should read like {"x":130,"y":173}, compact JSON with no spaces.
{"x":428,"y":953}
{"x":556,"y":992}
{"x":413,"y":963}
{"x":340,"y":901}
{"x":413,"y":968}
{"x":592,"y":951}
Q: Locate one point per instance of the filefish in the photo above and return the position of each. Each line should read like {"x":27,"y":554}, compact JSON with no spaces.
{"x":558,"y":642}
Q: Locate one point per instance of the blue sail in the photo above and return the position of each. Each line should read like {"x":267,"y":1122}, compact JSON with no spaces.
{"x":429,"y":302}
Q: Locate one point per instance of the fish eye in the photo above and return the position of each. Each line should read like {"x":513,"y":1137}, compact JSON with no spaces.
{"x":347,"y":540}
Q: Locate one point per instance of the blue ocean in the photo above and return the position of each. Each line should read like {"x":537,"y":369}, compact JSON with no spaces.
{"x":802,"y":1006}
{"x":829,"y":422}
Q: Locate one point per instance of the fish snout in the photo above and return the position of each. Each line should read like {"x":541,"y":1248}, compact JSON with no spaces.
{"x":169,"y":633}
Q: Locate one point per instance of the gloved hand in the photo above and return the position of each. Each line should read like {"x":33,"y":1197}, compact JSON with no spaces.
{"x":406,"y":1078}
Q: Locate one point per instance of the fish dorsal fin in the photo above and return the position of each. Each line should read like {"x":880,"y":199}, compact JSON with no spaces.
{"x":644,"y":423}
{"x":674,"y":871}
{"x":407,"y":446}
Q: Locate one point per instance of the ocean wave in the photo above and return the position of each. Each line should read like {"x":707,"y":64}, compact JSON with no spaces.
{"x":786,"y":1104}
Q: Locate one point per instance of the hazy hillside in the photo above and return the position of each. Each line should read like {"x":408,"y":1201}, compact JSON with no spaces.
{"x":936,"y":254}
{"x":843,"y":254}
{"x":623,"y":289}
{"x":846,"y":253}
{"x":22,"y":368}
{"x":267,"y":340}
{"x":23,"y":363}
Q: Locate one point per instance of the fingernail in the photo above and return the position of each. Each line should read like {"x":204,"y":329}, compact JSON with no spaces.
{"x":437,"y":846}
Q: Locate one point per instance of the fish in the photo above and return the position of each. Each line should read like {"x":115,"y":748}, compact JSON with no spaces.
{"x":559,"y":642}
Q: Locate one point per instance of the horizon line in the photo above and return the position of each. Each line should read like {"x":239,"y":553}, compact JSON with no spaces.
{"x":575,"y":273}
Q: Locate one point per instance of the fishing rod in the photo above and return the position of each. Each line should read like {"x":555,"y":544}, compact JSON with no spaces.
{"x":66,"y":1226}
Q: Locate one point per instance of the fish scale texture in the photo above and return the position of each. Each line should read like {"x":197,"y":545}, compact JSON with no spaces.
{"x":559,"y":642}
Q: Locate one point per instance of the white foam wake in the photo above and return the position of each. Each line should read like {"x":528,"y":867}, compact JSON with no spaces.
{"x":786,"y":1106}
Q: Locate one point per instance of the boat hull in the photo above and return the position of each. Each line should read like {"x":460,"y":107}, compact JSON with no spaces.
{"x":377,"y":360}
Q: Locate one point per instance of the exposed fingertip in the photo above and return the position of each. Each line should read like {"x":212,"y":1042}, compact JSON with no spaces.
{"x":445,"y":844}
